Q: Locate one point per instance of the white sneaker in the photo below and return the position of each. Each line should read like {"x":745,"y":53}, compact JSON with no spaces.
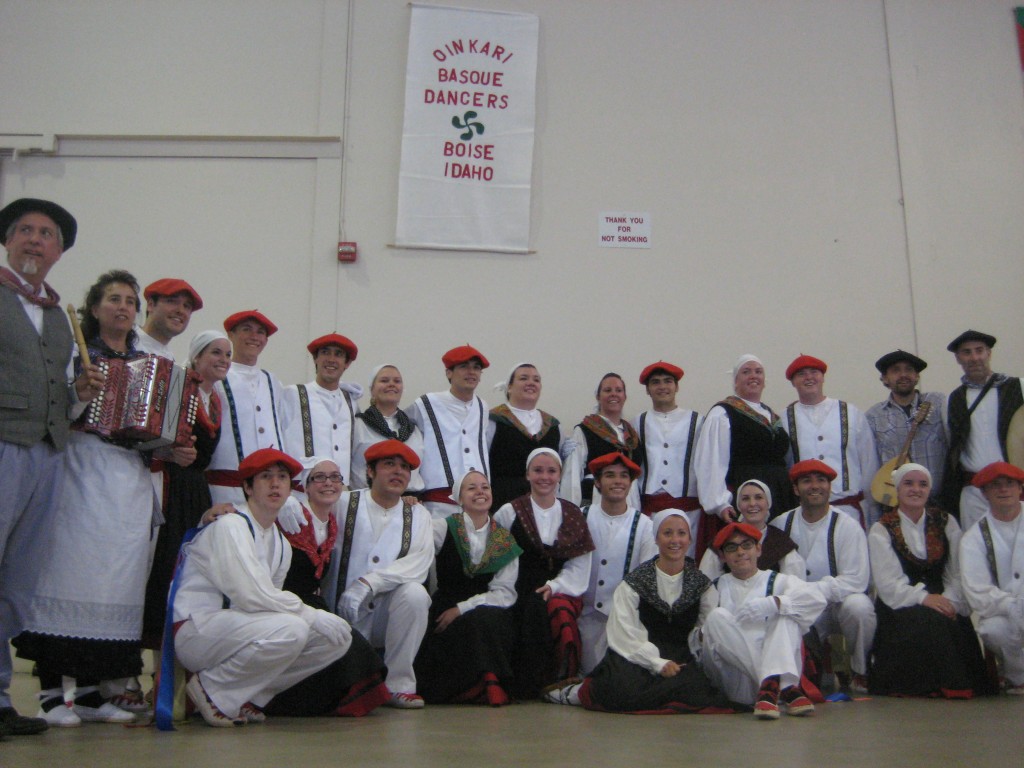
{"x":406,"y":701}
{"x":105,"y":713}
{"x":205,"y":706}
{"x":62,"y":716}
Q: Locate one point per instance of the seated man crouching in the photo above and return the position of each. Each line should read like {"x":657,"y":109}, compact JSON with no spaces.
{"x":243,"y":637}
{"x":751,"y":643}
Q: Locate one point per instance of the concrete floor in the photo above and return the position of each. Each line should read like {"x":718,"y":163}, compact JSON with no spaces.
{"x":877,"y":732}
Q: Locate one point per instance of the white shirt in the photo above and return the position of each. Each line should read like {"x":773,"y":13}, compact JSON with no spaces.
{"x":851,"y":549}
{"x":151,"y":346}
{"x":463,"y":428}
{"x":608,"y":566}
{"x":667,"y":443}
{"x":574,"y":577}
{"x":227,"y":559}
{"x":376,"y":542}
{"x":711,"y":457}
{"x":331,"y":412}
{"x":819,"y":436}
{"x":984,"y":597}
{"x":256,"y":400}
{"x":501,"y":592}
{"x":628,"y":637}
{"x":363,"y":437}
{"x":892,"y":584}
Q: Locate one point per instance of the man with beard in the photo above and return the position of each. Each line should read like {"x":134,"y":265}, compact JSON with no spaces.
{"x":892,"y":419}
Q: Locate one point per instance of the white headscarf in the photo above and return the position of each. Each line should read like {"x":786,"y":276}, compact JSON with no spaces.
{"x":200,"y":342}
{"x":900,"y":472}
{"x":376,"y":370}
{"x":759,"y":484}
{"x":743,"y":360}
{"x":659,"y":517}
{"x":457,"y":485}
{"x":538,"y":451}
{"x":502,"y":386}
{"x":312,"y":461}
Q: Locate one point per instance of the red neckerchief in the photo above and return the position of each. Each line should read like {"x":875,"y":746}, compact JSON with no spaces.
{"x":10,"y":279}
{"x":210,"y":421}
{"x":934,"y":535}
{"x":305,"y":540}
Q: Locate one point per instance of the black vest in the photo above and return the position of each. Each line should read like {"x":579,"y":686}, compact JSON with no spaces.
{"x":453,"y":586}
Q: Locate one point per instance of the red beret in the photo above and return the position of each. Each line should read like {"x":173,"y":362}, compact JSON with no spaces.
{"x":249,"y":314}
{"x":805,"y":361}
{"x":731,"y":530}
{"x":334,"y":339}
{"x":257,"y":461}
{"x":388,"y":448}
{"x":463,"y":354}
{"x":170,"y":286}
{"x":994,"y":471}
{"x":809,"y":467}
{"x":596,"y":465}
{"x":672,"y":370}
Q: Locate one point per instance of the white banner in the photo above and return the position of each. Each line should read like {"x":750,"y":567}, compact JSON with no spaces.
{"x":467,"y":141}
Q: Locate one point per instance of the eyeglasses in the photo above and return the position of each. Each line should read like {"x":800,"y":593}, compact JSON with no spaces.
{"x":323,"y":477}
{"x":732,"y":546}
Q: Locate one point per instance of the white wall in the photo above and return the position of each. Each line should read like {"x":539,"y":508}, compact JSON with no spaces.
{"x":832,"y":178}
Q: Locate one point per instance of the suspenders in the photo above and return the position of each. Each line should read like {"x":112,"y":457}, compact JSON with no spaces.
{"x":233,"y":413}
{"x":307,"y":419}
{"x":686,"y":459}
{"x":833,"y":568}
{"x":349,"y":529}
{"x":844,"y":438}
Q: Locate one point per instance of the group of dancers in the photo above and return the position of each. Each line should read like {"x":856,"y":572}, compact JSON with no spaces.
{"x":300,"y":555}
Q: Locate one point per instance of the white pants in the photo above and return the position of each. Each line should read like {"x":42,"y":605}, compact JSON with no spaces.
{"x":855,"y":619}
{"x":1004,"y":638}
{"x":737,"y":657}
{"x":244,"y":657}
{"x":594,"y":637}
{"x":973,"y":506}
{"x":397,"y":622}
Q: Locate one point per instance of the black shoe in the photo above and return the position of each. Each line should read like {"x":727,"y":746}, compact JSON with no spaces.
{"x":11,"y":723}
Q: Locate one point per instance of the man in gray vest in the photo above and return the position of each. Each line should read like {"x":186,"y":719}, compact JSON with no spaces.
{"x":35,"y":398}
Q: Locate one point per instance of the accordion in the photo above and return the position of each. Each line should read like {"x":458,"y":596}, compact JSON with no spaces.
{"x":147,"y":403}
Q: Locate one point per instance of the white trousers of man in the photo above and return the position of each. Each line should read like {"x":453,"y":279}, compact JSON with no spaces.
{"x":593,"y":628}
{"x":973,"y":506}
{"x":397,"y":621}
{"x":242,"y":657}
{"x":737,"y":657}
{"x":1005,"y":638}
{"x":854,"y":618}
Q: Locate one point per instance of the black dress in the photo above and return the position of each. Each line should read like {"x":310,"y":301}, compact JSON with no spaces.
{"x":510,"y":448}
{"x":473,"y":655}
{"x":619,"y":685}
{"x":757,"y":451}
{"x":918,"y":651}
{"x":186,"y":498}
